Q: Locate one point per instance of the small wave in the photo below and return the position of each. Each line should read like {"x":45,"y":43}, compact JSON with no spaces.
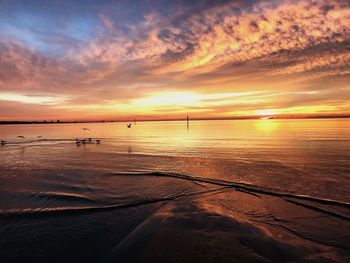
{"x":63,"y":196}
{"x":252,"y":189}
{"x":238,"y":185}
{"x":37,"y":140}
{"x":44,"y":142}
{"x":309,"y":201}
{"x":318,"y":209}
{"x":86,"y":209}
{"x":15,"y":145}
{"x":81,"y":209}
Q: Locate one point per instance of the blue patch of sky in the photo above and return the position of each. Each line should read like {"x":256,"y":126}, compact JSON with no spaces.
{"x":53,"y":27}
{"x":46,"y":32}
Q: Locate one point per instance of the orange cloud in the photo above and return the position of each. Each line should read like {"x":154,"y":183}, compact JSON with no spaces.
{"x":282,"y":55}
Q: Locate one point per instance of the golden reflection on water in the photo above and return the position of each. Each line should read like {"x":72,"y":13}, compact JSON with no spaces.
{"x":173,"y":137}
{"x":266,"y":125}
{"x":177,"y":130}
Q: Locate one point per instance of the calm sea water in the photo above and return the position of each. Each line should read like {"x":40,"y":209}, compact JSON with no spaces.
{"x":47,"y":172}
{"x":302,"y":156}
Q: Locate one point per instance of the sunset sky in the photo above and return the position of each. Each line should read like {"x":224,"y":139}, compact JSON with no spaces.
{"x":154,"y":59}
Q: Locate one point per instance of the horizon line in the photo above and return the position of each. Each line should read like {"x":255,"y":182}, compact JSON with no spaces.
{"x":253,"y":117}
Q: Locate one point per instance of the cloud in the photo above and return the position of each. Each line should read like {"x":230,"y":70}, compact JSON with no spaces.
{"x":198,"y":43}
{"x":115,"y":53}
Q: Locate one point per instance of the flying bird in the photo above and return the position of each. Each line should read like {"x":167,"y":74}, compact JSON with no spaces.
{"x":20,"y":136}
{"x":129,"y":125}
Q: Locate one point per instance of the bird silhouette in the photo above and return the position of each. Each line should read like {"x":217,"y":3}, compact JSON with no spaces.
{"x":20,"y":136}
{"x":129,"y":125}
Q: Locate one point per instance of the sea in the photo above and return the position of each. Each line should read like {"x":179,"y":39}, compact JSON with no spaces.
{"x":73,"y":192}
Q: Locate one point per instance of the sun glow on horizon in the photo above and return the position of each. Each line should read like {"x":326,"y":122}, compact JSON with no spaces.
{"x":266,"y":112}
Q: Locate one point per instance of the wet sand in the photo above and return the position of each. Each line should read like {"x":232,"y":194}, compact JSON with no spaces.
{"x":198,"y":222}
{"x":205,"y":230}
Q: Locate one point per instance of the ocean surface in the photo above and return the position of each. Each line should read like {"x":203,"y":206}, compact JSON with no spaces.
{"x":63,"y":201}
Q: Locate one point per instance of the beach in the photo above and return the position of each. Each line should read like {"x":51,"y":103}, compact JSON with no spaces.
{"x":218,"y":191}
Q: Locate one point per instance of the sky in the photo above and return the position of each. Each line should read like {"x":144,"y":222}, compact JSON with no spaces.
{"x":163,"y":59}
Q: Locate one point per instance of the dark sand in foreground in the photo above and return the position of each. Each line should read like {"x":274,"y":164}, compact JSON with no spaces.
{"x":216,"y":228}
{"x":166,"y":217}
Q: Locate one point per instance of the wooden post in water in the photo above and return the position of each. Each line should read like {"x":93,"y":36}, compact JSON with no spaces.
{"x":187,"y":123}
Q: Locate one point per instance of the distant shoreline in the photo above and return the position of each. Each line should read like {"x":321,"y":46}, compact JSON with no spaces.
{"x":177,"y":119}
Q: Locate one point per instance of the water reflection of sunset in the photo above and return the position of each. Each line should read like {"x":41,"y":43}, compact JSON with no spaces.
{"x":266,"y":125}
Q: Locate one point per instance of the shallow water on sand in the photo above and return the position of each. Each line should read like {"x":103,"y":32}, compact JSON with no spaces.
{"x":282,"y":178}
